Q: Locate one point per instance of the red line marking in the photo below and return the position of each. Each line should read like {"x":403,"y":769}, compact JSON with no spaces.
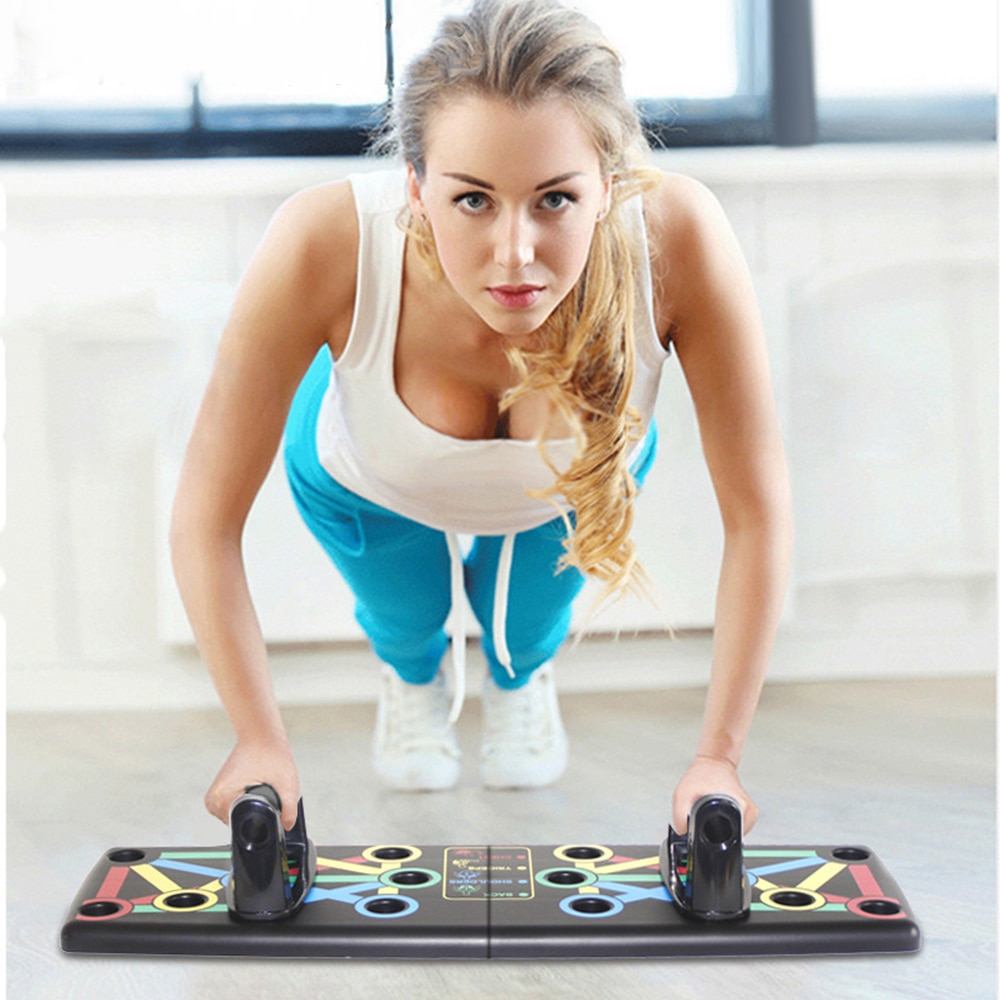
{"x":143,"y":901}
{"x":113,"y":883}
{"x":835,"y":899}
{"x":866,"y":881}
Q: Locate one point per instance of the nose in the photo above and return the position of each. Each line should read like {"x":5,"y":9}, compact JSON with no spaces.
{"x":514,"y":248}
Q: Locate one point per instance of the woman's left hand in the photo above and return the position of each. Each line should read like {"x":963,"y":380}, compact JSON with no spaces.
{"x":711,"y":776}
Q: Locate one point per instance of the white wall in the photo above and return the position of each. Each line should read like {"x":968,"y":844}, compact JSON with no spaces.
{"x":876,"y":269}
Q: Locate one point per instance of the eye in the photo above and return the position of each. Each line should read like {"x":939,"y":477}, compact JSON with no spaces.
{"x":556,"y":200}
{"x":474,"y":202}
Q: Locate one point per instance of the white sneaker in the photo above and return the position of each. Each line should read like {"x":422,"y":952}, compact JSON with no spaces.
{"x":414,"y":748}
{"x":524,"y":742}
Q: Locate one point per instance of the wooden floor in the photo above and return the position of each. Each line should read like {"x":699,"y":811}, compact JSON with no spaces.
{"x":906,"y":767}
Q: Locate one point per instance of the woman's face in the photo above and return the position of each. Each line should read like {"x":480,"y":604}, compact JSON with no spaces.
{"x":512,"y":197}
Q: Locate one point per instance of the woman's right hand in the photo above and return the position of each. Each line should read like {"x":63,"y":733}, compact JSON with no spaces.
{"x":269,"y":762}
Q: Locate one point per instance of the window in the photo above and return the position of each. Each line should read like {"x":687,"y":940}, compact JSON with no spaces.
{"x":922,"y":71}
{"x":221,"y":77}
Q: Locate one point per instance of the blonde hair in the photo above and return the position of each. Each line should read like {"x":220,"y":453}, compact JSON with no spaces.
{"x":521,"y":52}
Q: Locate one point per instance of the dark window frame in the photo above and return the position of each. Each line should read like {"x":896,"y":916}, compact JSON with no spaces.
{"x":777,"y":105}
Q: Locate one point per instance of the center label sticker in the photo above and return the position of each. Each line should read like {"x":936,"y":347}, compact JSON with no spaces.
{"x":488,"y":873}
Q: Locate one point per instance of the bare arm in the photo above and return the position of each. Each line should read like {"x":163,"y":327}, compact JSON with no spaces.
{"x":715,"y":326}
{"x":295,"y":296}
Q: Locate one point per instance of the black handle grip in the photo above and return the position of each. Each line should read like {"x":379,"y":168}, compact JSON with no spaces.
{"x":271,"y":871}
{"x":704,"y":870}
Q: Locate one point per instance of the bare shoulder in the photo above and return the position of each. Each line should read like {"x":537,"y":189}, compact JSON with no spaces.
{"x":683,"y":217}
{"x":305,"y":267}
{"x":694,"y":250}
{"x":318,"y":229}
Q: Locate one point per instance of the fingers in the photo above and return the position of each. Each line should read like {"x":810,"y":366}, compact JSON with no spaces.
{"x":289,"y":812}
{"x":707,"y":776}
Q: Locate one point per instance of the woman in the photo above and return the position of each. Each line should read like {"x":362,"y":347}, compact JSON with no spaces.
{"x":456,"y":348}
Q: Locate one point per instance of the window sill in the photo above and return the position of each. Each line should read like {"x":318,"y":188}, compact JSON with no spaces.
{"x":277,"y":177}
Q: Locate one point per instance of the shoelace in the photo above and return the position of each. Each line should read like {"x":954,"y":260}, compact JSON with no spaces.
{"x":520,"y":717}
{"x":410,"y":707}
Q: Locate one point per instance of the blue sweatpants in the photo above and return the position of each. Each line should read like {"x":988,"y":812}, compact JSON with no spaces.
{"x":400,"y":573}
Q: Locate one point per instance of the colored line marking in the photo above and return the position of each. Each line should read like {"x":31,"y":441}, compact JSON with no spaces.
{"x":218,"y":908}
{"x":866,"y":880}
{"x":636,"y":878}
{"x":196,"y":855}
{"x":823,"y":910}
{"x":821,"y":876}
{"x":626,"y":865}
{"x":113,"y":883}
{"x":787,"y":866}
{"x":750,"y":853}
{"x":156,"y":878}
{"x":350,"y":866}
{"x":184,"y":866}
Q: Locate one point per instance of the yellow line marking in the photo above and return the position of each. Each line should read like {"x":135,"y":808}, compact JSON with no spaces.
{"x":626,"y":866}
{"x":156,"y":878}
{"x":821,"y":876}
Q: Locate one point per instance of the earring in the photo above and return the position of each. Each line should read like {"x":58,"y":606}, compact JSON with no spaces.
{"x":423,"y":235}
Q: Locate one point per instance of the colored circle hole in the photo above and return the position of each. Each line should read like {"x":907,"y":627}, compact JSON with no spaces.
{"x":392,"y":853}
{"x":584,"y":853}
{"x":880,"y":907}
{"x":851,"y":854}
{"x":410,"y":878}
{"x":565,"y":878}
{"x":99,"y":908}
{"x":126,"y":856}
{"x":385,"y":907}
{"x":718,"y":830}
{"x":591,"y":905}
{"x":185,"y":900}
{"x":790,"y":897}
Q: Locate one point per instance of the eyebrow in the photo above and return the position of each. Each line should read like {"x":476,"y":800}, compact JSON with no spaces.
{"x":476,"y":182}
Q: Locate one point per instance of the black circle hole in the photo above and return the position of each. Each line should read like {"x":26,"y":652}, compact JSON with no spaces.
{"x":385,"y":906}
{"x":583,"y":853}
{"x":851,"y":854}
{"x":186,"y":900}
{"x":790,"y":897}
{"x":100,"y":908}
{"x":881,"y":907}
{"x":392,"y":853}
{"x":718,"y":830}
{"x":126,"y":856}
{"x":566,"y":878}
{"x":593,"y":904}
{"x":410,"y":878}
{"x":255,"y":831}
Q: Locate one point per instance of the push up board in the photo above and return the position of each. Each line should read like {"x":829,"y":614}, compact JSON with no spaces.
{"x":571,"y":901}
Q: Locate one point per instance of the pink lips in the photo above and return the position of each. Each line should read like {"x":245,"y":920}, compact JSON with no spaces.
{"x":516,"y":296}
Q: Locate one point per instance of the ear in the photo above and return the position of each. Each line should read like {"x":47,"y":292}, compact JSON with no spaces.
{"x":413,"y":192}
{"x":605,"y":199}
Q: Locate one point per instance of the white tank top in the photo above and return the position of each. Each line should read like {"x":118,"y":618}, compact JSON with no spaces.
{"x":371,"y":443}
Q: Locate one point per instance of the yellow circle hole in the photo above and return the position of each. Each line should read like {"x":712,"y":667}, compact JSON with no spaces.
{"x":793,"y":899}
{"x":186,"y":900}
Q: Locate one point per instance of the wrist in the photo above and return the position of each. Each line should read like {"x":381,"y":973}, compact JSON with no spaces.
{"x":717,"y":758}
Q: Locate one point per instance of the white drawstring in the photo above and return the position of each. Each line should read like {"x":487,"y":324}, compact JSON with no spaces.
{"x":500,"y":604}
{"x":458,"y":640}
{"x":500,"y":597}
